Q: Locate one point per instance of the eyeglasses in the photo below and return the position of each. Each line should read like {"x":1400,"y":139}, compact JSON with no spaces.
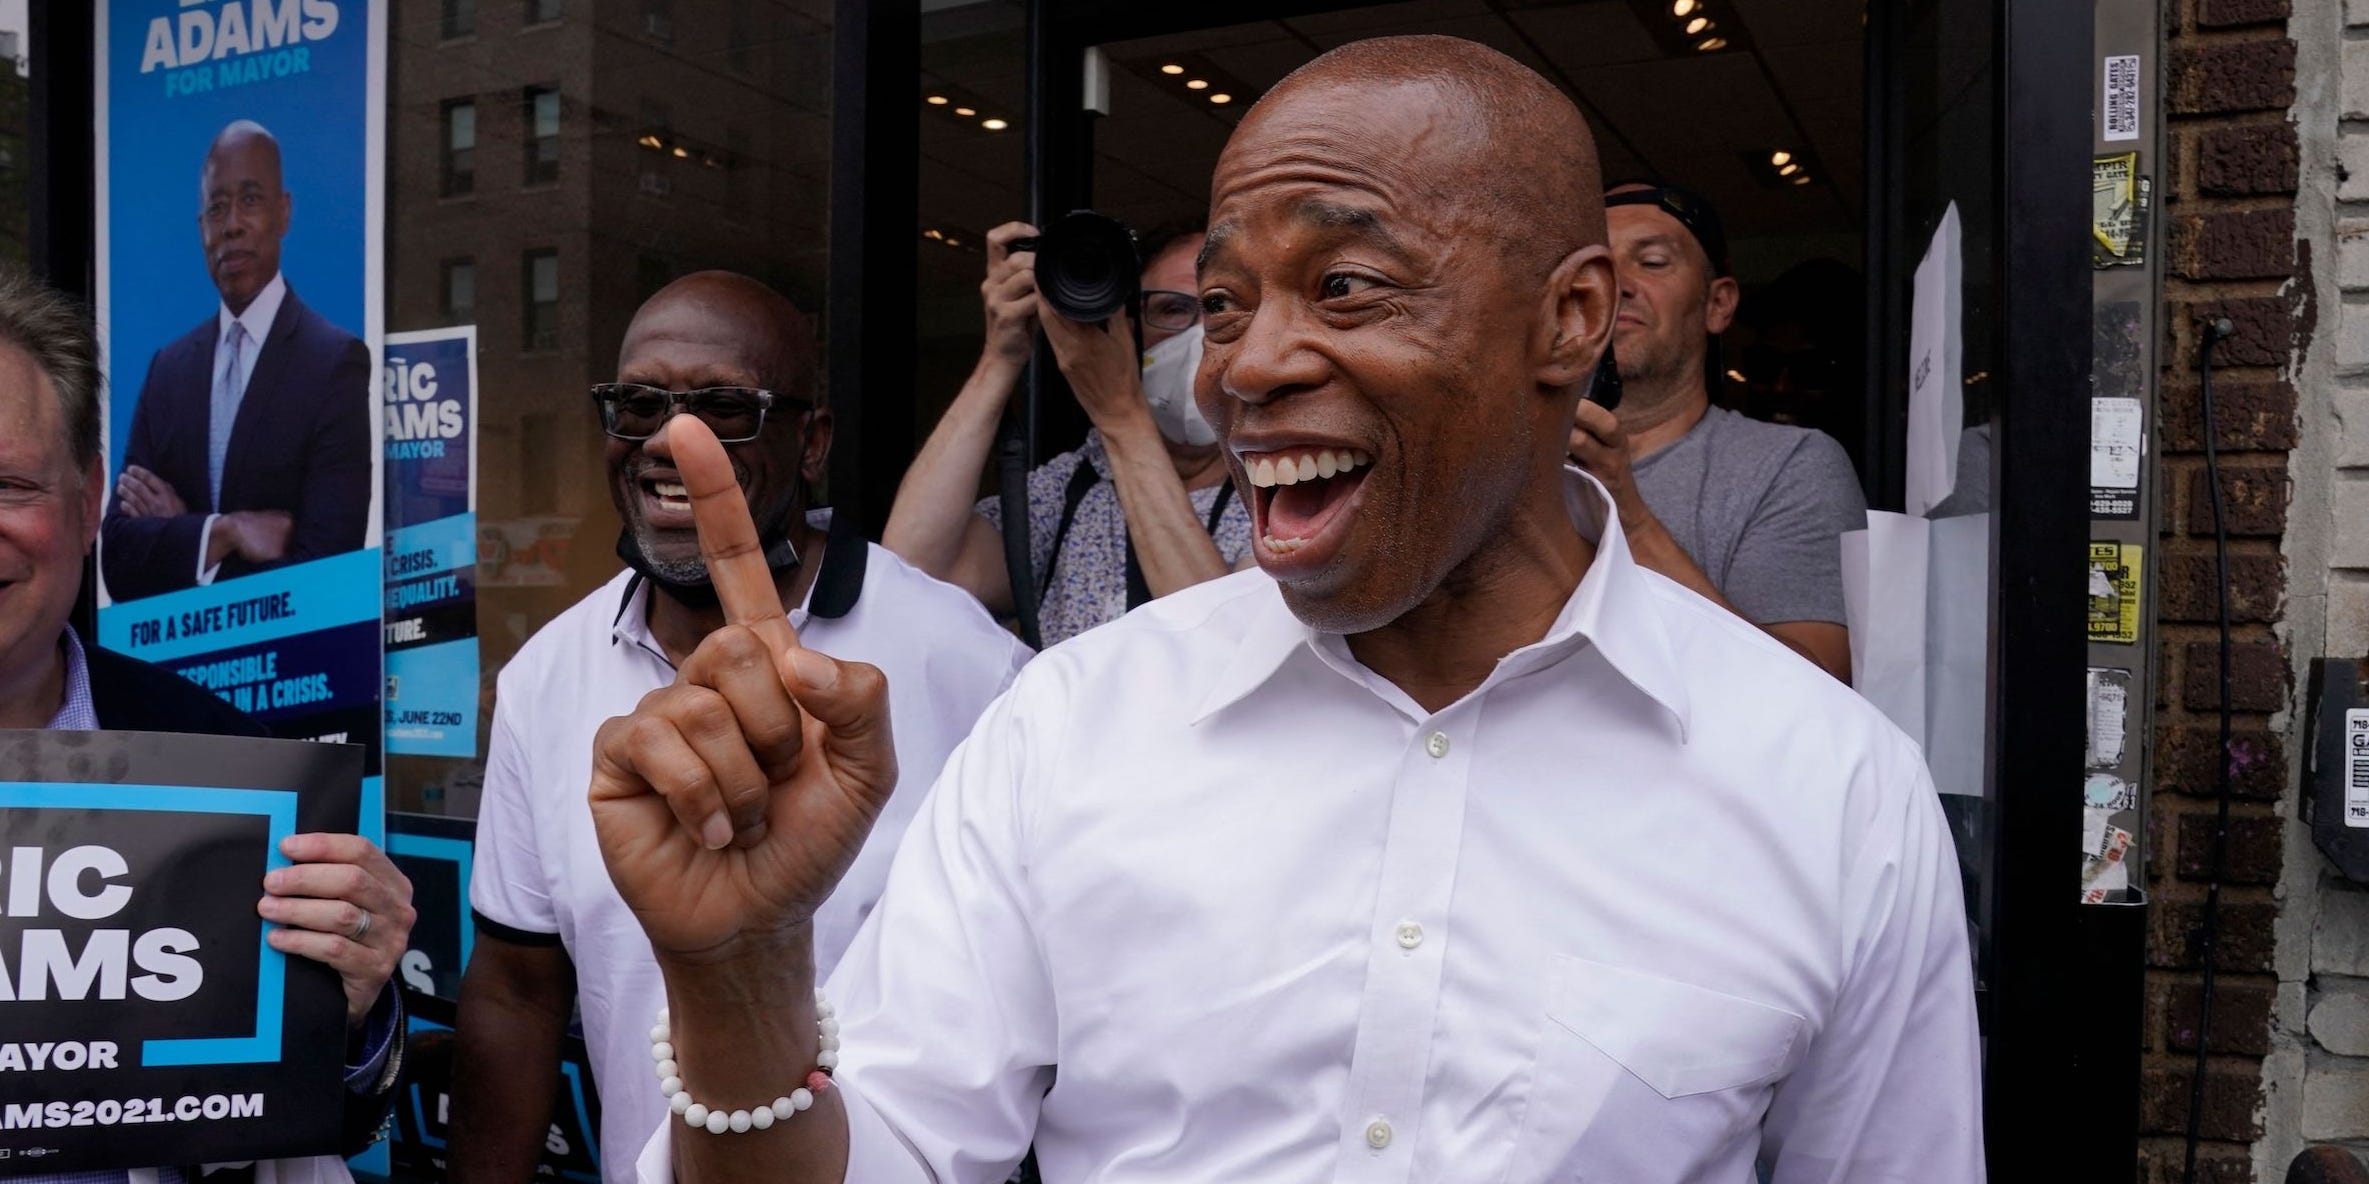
{"x":632,"y":411}
{"x":1170,"y":311}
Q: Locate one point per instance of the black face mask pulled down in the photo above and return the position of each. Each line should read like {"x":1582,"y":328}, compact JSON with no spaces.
{"x":781,"y":556}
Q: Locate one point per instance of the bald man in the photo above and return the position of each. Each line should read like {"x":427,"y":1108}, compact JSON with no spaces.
{"x":250,"y":445}
{"x":737,"y":356}
{"x":1452,"y":845}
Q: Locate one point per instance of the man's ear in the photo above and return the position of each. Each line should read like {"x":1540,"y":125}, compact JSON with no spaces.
{"x":1719,"y":305}
{"x":1582,"y":296}
{"x":817,"y":459}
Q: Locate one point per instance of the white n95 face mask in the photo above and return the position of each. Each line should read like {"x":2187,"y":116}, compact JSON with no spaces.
{"x":1168,"y":370}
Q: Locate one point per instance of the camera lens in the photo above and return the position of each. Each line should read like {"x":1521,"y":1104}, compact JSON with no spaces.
{"x":1086,"y":266}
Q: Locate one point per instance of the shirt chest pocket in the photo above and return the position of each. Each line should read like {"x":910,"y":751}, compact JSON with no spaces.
{"x":1641,"y":1079}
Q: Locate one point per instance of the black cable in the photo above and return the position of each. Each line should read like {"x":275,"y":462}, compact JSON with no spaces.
{"x":2214,"y":331}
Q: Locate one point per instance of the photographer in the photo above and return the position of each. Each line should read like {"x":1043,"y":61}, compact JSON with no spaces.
{"x":1140,"y":510}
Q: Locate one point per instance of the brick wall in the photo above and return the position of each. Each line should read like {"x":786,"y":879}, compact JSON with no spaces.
{"x":2228,"y":190}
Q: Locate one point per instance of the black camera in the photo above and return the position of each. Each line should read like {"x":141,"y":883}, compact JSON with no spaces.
{"x":1087,"y":265}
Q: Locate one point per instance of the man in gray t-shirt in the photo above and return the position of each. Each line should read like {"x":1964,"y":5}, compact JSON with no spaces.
{"x":1749,"y":514}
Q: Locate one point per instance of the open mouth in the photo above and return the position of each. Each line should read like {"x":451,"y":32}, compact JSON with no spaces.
{"x":1300,"y":495}
{"x":666,"y":498}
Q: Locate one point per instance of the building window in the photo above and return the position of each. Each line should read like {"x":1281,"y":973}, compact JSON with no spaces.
{"x":543,"y":12}
{"x":460,"y":147}
{"x":460,"y":291}
{"x":540,"y":329}
{"x":460,"y":18}
{"x":542,"y":139}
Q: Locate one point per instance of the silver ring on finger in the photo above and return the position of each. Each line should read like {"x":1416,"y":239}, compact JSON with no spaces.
{"x":361,"y":929}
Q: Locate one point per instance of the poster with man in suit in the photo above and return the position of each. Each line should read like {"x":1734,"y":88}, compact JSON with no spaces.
{"x":241,"y":187}
{"x":250,"y":443}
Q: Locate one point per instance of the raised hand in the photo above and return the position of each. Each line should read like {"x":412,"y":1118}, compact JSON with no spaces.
{"x":729,"y":804}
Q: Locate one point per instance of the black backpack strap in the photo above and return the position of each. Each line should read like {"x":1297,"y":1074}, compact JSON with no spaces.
{"x":1139,"y":590}
{"x":1081,"y":483}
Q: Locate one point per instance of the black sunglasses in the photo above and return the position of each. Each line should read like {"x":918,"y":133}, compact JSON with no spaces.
{"x":632,"y":411}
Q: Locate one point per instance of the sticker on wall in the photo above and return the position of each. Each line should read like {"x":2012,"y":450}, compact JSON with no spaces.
{"x":2117,"y":350}
{"x":2109,"y":716}
{"x":2105,"y":791}
{"x":2104,"y":846}
{"x":2118,"y":107}
{"x":2119,"y":198}
{"x":2356,"y":767}
{"x":2117,"y":443}
{"x":2114,"y":592}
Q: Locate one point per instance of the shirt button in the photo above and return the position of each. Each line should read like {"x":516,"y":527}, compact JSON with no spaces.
{"x":1437,"y":745}
{"x":1377,"y":1134}
{"x":1410,"y":935}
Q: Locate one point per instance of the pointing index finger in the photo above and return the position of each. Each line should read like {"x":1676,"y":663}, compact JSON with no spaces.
{"x":727,"y":534}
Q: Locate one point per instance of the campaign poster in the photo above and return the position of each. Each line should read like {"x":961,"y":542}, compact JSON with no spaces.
{"x":430,"y":390}
{"x":240,"y":184}
{"x":144,"y":1017}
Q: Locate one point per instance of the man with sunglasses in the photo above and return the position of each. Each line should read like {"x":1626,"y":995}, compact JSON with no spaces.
{"x":740,"y":358}
{"x":1138,"y":511}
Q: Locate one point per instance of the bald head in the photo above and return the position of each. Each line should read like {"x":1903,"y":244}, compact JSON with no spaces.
{"x":1405,"y":259}
{"x":767,"y":335}
{"x":1498,"y":134}
{"x":243,"y":211}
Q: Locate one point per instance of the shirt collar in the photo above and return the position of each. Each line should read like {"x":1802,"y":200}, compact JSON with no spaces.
{"x":260,"y":314}
{"x":836,"y":588}
{"x":76,"y":713}
{"x":1611,"y":609}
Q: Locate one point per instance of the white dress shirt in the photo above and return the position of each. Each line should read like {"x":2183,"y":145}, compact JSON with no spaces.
{"x":1204,"y":899}
{"x":538,"y":875}
{"x":255,"y":324}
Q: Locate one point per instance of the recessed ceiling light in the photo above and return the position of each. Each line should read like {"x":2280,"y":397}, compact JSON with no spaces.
{"x":994,"y":125}
{"x":1697,"y":25}
{"x":932,"y":232}
{"x":1221,"y":98}
{"x":1780,"y":156}
{"x":1682,"y":7}
{"x":682,"y":152}
{"x":1710,"y":43}
{"x":1197,"y":84}
{"x":1738,"y":375}
{"x":1803,"y":179}
{"x":1789,"y":170}
{"x":965,"y":112}
{"x":1173,"y":68}
{"x":952,"y":241}
{"x":936,"y":100}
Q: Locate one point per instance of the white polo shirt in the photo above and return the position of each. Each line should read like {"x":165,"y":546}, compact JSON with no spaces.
{"x":539,"y":875}
{"x":1204,"y":898}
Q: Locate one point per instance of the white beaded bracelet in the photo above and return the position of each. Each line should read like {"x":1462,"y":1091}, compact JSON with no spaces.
{"x":716,"y":1122}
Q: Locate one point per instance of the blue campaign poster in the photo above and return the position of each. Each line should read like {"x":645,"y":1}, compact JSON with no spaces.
{"x":240,"y":186}
{"x":431,"y":550}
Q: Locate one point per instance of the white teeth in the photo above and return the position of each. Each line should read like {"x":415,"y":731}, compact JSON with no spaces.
{"x":670,"y":489}
{"x":1283,"y":546}
{"x":1272,"y":470}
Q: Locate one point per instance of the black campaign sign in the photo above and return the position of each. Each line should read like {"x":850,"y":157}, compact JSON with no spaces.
{"x":144,"y":1020}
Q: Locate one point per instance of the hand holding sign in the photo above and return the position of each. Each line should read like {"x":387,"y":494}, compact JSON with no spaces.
{"x":729,"y":804}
